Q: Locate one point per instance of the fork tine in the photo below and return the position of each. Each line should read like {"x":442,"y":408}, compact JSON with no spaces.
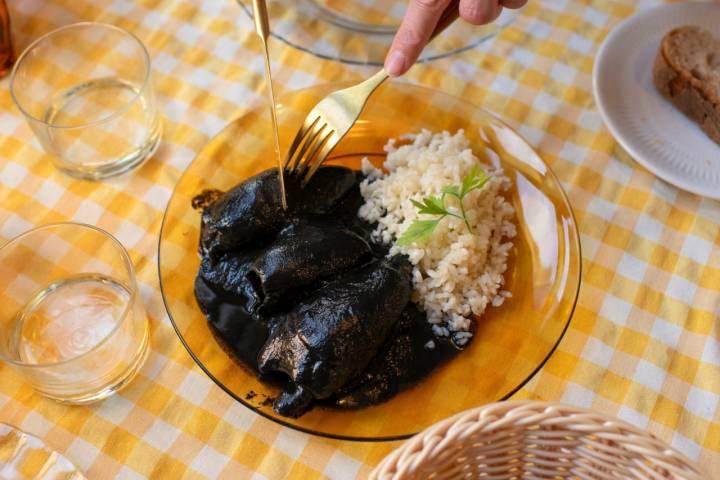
{"x":329,"y":146}
{"x":302,"y":132}
{"x":310,"y":139}
{"x":310,"y":158}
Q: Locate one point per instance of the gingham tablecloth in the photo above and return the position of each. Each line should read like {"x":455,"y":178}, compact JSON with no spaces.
{"x":643,"y":344}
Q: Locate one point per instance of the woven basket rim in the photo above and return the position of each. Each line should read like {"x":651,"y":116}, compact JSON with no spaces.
{"x":517,"y":415}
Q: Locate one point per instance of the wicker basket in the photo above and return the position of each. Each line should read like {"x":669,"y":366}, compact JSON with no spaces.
{"x":539,"y":440}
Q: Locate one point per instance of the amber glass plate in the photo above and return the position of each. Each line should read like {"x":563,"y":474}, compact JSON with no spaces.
{"x":512,"y":342}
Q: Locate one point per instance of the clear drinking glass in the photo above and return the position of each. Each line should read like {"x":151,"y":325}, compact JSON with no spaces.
{"x":86,"y":91}
{"x":71,"y":319}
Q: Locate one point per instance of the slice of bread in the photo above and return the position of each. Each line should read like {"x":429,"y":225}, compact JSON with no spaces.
{"x":687,"y":71}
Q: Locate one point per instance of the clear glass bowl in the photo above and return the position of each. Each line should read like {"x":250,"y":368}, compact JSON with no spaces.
{"x":360,"y":32}
{"x":512,"y":342}
{"x":25,"y":456}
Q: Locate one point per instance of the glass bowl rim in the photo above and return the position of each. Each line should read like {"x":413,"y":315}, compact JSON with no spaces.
{"x":349,"y":61}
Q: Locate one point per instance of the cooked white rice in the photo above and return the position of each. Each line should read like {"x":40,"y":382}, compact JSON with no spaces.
{"x":456,"y":274}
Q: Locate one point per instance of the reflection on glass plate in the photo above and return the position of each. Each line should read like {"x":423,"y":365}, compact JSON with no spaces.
{"x":360,"y":31}
{"x":512,"y":342}
{"x":23,"y":456}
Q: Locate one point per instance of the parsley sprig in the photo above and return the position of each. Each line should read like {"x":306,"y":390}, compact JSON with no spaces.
{"x":420,"y":230}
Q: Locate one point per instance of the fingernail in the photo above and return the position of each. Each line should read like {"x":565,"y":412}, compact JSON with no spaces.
{"x":395,"y":64}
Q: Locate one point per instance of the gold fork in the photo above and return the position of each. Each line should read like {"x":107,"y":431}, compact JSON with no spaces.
{"x":333,"y":117}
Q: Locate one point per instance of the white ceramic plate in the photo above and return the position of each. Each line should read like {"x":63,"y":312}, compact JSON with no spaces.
{"x":648,"y":126}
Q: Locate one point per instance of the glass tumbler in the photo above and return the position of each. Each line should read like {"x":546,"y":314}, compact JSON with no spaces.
{"x":71,"y":319}
{"x":86,"y":91}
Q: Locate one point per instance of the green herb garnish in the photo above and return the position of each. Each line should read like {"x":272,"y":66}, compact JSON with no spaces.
{"x":420,"y":230}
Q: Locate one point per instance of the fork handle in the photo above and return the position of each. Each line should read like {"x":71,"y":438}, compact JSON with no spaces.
{"x":260,"y":17}
{"x":449,"y":15}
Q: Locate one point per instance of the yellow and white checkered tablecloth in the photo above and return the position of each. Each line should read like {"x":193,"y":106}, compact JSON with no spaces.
{"x":644,"y":344}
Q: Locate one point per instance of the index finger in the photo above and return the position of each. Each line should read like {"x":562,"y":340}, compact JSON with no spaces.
{"x":420,"y":20}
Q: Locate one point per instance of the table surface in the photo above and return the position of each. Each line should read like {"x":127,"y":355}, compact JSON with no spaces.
{"x":643,"y":344}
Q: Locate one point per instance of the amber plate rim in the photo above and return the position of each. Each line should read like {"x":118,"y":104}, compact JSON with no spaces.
{"x":392,"y":438}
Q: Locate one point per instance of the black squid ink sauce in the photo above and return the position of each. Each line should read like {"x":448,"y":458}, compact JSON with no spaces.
{"x":306,"y":300}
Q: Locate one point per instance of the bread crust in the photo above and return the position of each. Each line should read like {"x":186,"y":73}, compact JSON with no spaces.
{"x":690,"y":95}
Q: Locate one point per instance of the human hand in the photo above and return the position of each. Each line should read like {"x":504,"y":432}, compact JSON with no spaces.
{"x":420,"y":20}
